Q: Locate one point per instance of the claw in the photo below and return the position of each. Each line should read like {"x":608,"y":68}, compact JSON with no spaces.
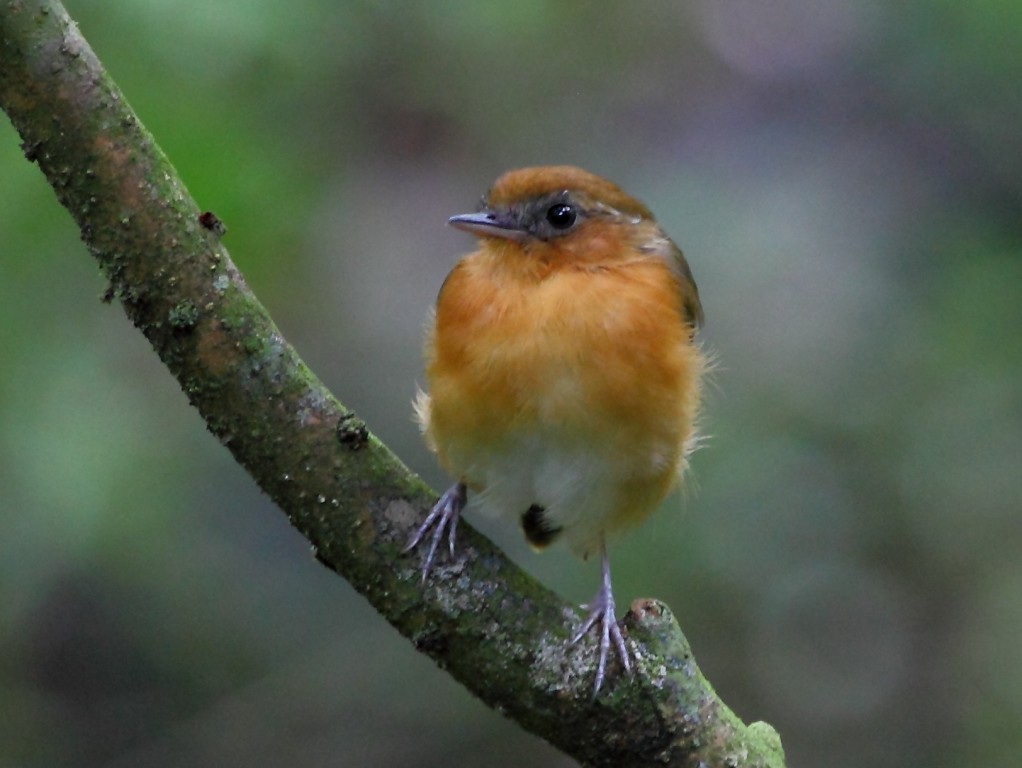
{"x":444,"y":515}
{"x":601,"y":610}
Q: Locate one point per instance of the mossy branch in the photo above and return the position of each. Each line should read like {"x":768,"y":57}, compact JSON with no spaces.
{"x":495,"y":629}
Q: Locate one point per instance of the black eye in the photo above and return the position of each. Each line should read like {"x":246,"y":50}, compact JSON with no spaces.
{"x":560,"y":216}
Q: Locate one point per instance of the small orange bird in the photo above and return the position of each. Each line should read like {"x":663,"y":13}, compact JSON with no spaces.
{"x":564,"y":378}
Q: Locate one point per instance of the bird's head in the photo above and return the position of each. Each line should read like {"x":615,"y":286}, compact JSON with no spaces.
{"x":539,"y":220}
{"x":550,"y":204}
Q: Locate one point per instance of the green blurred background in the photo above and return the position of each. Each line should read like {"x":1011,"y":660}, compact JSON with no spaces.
{"x":845,"y":177}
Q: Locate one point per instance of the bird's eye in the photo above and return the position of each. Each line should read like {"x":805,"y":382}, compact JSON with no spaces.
{"x":561,"y":216}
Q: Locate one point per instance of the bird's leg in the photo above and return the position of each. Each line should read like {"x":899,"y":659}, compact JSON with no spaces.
{"x":444,"y":515}
{"x":601,"y":610}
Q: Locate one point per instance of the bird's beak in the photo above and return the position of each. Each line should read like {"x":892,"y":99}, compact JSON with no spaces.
{"x":488,"y":224}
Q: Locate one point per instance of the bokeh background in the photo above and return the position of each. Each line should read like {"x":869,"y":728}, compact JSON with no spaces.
{"x":845,"y":177}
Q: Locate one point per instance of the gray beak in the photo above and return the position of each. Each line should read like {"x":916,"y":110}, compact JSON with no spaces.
{"x":488,"y":224}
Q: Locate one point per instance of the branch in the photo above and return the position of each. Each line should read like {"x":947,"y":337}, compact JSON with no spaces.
{"x":495,"y":629}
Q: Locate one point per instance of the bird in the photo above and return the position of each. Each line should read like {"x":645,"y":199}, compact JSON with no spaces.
{"x":563,"y":372}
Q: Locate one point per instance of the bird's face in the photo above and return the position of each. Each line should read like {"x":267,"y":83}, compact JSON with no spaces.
{"x":558,"y":216}
{"x":536,"y":221}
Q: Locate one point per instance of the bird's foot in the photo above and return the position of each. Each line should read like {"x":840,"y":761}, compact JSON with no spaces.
{"x":601,"y":612}
{"x":444,"y":515}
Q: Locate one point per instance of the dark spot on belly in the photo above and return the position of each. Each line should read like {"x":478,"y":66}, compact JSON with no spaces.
{"x":538,"y":530}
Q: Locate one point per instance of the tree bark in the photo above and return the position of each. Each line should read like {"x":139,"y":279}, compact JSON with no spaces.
{"x":495,"y":629}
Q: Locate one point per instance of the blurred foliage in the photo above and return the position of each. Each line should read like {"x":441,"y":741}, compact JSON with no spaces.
{"x":845,"y":179}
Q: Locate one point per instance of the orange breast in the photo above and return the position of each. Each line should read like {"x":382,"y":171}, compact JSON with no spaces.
{"x":582,"y":365}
